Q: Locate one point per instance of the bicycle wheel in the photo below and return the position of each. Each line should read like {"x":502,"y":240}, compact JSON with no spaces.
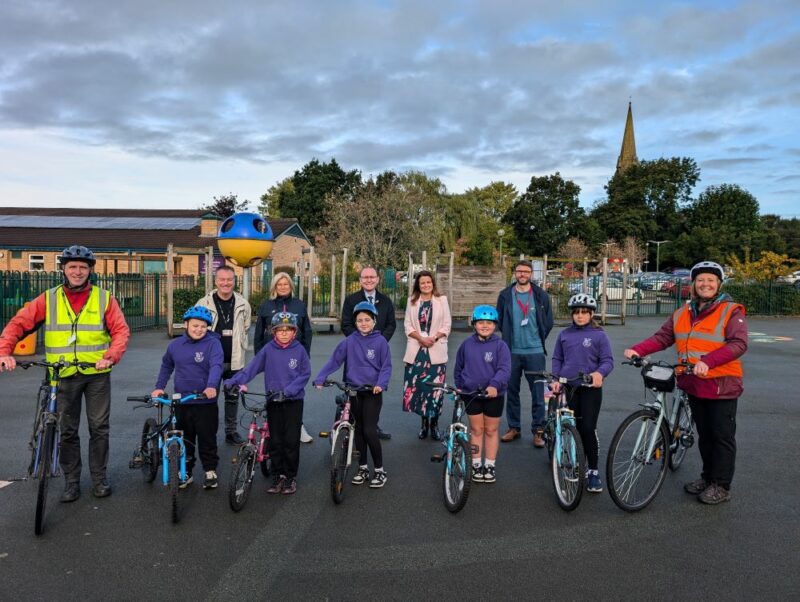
{"x":634,"y":477}
{"x":340,"y":444}
{"x":242,"y":479}
{"x":149,"y":445}
{"x":174,"y":458}
{"x":568,"y":464}
{"x":549,"y":427}
{"x":683,"y":427}
{"x":458,"y":480}
{"x":46,"y":457}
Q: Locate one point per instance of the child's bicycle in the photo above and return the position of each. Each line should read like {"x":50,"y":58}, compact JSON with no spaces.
{"x":650,"y":439}
{"x":342,"y":435}
{"x":161,"y":438}
{"x":457,"y":456}
{"x":564,"y":444}
{"x":46,"y":437}
{"x":254,"y":452}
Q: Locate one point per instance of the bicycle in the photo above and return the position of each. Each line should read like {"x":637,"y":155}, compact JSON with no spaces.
{"x":255,"y":451}
{"x":651,"y":439}
{"x":457,"y":456}
{"x":564,"y":443}
{"x":161,"y":437}
{"x":45,"y":439}
{"x":342,"y":435}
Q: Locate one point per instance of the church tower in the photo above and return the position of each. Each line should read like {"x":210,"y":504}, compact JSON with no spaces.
{"x":627,"y":154}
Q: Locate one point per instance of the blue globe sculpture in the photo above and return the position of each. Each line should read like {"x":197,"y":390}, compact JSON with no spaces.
{"x":245,"y":239}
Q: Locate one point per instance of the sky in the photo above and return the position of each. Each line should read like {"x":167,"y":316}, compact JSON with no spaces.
{"x":153,"y":104}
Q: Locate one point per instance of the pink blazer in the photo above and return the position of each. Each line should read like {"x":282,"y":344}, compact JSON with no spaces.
{"x":440,"y":324}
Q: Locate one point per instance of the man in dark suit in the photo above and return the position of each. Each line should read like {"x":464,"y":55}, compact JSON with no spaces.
{"x":386,"y":322}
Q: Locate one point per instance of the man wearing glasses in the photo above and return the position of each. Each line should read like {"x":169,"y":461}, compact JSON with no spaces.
{"x":526,"y":319}
{"x":386,"y":322}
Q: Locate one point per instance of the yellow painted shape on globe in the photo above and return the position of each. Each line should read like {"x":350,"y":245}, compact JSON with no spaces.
{"x":244,"y":252}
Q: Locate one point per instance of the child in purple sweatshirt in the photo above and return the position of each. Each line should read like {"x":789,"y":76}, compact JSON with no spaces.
{"x":286,"y":367}
{"x":584,"y":348}
{"x":367,"y":360}
{"x":196,"y":360}
{"x":484,"y":361}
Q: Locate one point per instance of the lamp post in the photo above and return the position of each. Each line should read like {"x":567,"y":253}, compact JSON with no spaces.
{"x":501,"y":233}
{"x":658,"y":244}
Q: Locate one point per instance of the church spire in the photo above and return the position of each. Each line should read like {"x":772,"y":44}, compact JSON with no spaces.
{"x":627,"y":154}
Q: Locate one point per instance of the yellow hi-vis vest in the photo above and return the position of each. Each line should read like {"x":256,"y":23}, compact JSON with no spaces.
{"x":81,"y":338}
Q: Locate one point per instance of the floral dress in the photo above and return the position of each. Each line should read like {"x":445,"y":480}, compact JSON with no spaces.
{"x":417,"y":397}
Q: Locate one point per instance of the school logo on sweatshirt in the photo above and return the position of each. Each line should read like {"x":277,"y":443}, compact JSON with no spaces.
{"x":199,"y":357}
{"x":587,"y":342}
{"x":488,"y":357}
{"x":370,"y":354}
{"x":293,"y":363}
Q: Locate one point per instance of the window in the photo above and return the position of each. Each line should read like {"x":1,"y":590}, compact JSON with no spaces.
{"x":36,"y":263}
{"x":16,"y":254}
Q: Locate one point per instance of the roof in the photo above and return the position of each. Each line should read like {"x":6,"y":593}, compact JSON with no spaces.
{"x":627,"y":154}
{"x":113,"y":230}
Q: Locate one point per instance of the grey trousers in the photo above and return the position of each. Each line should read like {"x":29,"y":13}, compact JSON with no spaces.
{"x":95,"y":389}
{"x":231,"y":405}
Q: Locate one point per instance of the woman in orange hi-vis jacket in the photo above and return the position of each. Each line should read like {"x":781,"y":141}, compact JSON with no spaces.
{"x":710,"y":332}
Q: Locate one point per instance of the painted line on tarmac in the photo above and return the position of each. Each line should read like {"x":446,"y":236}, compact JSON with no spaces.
{"x":5,"y":484}
{"x":761,"y":337}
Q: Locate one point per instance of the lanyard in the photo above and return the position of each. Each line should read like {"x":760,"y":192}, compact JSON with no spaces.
{"x":524,"y":307}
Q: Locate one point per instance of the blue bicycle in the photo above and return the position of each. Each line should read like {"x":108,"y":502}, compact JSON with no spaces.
{"x":162,"y":445}
{"x":457,"y":456}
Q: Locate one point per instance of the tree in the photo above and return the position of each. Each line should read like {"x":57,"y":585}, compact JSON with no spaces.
{"x":546,"y":215}
{"x":768,"y":267}
{"x":226,"y":205}
{"x":270,"y":200}
{"x":305,"y":199}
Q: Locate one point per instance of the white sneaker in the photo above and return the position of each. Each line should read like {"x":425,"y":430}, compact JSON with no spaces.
{"x":304,"y":436}
{"x":379,"y":480}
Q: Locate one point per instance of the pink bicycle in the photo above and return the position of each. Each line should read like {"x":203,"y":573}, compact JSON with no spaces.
{"x":255,"y":451}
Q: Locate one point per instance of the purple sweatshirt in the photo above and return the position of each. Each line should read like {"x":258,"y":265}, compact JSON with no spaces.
{"x":582,"y":349}
{"x":483,"y":364}
{"x":368,"y":360}
{"x":197,"y":365}
{"x":285,"y":369}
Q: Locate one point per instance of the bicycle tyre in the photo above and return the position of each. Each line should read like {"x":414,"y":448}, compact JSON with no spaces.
{"x":43,"y":474}
{"x":626,"y":463}
{"x":242,"y":478}
{"x":457,"y":483}
{"x":569,"y":478}
{"x":683,"y":425}
{"x":174,"y":458}
{"x":149,"y":445}
{"x":549,"y":427}
{"x":340,"y":444}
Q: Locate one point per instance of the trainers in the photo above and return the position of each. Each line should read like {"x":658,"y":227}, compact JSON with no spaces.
{"x":189,"y":480}
{"x":696,"y":487}
{"x":477,"y":474}
{"x":72,"y":491}
{"x":593,"y":482}
{"x":361,"y":477}
{"x":101,"y":488}
{"x":278,"y":484}
{"x":210,"y":480}
{"x":379,"y":480}
{"x":538,"y":440}
{"x":289,"y":487}
{"x":714,"y":494}
{"x":304,"y":436}
{"x":489,"y":474}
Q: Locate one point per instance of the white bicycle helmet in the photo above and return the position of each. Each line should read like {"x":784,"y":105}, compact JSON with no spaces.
{"x":707,"y":267}
{"x":582,"y":300}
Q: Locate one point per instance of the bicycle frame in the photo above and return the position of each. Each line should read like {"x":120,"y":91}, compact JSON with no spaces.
{"x":456,"y":430}
{"x":342,"y":424}
{"x":48,"y":414}
{"x":563,"y":416}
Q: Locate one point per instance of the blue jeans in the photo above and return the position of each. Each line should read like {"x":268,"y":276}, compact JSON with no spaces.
{"x":519,"y":363}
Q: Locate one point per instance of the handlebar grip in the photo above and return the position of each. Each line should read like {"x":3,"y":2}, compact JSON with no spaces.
{"x":141,"y":398}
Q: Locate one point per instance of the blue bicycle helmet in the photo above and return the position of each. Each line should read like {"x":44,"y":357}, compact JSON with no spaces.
{"x":367,"y":307}
{"x":284,"y":318}
{"x":484,"y":312}
{"x":198,"y":312}
{"x":77,"y":253}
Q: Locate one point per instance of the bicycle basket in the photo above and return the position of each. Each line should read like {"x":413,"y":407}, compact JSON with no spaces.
{"x":658,"y":378}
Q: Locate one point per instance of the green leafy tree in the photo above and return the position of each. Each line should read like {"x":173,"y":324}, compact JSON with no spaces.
{"x":270,"y":200}
{"x":546,"y":215}
{"x":226,"y":205}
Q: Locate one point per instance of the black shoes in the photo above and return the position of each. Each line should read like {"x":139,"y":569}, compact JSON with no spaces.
{"x":100,"y":489}
{"x":234,"y":439}
{"x":423,"y":432}
{"x":383,"y":434}
{"x":436,"y":434}
{"x":71,"y":493}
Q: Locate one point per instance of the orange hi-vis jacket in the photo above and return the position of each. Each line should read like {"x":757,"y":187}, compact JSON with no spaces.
{"x":693,"y":341}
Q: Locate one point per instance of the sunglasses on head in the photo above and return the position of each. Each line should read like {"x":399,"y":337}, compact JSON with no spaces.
{"x":581,"y":310}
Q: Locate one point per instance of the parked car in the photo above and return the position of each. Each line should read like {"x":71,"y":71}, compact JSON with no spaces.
{"x":614,"y":290}
{"x":792,"y":278}
{"x":652,"y":281}
{"x":675,"y":287}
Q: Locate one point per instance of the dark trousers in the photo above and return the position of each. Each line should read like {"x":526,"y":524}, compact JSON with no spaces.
{"x":199,"y":423}
{"x":231,"y":405}
{"x":716,"y":437}
{"x":366,"y":409}
{"x":95,"y":389}
{"x":284,"y":436}
{"x":586,"y":402}
{"x":520,"y":363}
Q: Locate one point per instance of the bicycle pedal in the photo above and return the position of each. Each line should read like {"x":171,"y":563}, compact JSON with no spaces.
{"x":573,"y":479}
{"x":324,"y":434}
{"x":437,"y":458}
{"x":474,"y":450}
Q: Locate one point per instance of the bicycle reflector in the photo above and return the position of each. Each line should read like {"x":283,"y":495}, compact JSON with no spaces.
{"x":658,"y":378}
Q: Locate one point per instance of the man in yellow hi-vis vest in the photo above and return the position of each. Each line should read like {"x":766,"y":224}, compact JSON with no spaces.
{"x":82,"y":323}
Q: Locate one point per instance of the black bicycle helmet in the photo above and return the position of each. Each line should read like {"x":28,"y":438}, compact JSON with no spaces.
{"x":77,"y":253}
{"x":707,"y":267}
{"x":582,"y":300}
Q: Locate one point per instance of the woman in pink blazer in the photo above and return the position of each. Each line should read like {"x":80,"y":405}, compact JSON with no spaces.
{"x":427,"y":325}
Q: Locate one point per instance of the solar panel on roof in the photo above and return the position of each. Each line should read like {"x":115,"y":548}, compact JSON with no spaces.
{"x":99,"y":223}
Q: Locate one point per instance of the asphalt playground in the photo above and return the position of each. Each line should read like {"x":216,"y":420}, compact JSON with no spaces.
{"x":400,"y":543}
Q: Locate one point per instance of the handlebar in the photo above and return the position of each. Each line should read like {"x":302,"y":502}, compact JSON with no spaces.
{"x":549,"y":377}
{"x":61,"y":363}
{"x":479,"y":392}
{"x":347,"y":387}
{"x":152,"y":402}
{"x":274,"y":396}
{"x":682,"y":367}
